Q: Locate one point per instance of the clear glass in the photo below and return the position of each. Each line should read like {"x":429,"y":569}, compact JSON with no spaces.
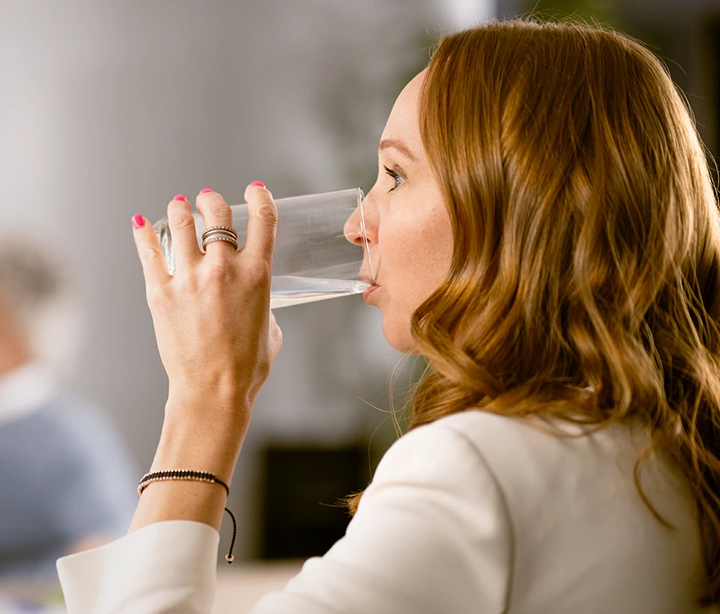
{"x":313,"y":260}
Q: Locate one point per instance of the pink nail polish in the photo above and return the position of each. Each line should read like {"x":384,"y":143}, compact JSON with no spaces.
{"x":180,"y":197}
{"x":259,"y":184}
{"x":206,"y":191}
{"x":138,"y":221}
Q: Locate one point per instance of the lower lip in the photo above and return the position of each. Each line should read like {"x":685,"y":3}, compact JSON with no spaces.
{"x":368,"y":292}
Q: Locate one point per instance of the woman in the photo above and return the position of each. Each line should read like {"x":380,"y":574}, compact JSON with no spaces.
{"x":545,"y":232}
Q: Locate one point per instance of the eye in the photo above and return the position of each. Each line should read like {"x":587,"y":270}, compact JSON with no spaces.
{"x":397,"y":178}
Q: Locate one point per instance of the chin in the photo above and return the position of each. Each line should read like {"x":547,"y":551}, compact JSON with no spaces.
{"x":398,"y":337}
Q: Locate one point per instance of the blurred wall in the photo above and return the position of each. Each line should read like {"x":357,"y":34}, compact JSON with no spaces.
{"x":110,"y":109}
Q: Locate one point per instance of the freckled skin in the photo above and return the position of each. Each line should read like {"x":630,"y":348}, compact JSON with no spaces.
{"x":407,"y":224}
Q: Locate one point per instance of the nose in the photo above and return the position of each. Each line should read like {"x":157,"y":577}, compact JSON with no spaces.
{"x":354,"y":229}
{"x":357,"y":231}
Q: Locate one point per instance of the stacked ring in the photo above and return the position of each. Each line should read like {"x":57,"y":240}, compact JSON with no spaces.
{"x":220,"y":233}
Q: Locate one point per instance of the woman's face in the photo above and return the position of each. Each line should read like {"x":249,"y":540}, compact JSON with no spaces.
{"x":407,"y":225}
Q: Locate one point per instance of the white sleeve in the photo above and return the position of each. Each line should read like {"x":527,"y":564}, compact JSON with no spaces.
{"x":431,"y":535}
{"x":163,"y":567}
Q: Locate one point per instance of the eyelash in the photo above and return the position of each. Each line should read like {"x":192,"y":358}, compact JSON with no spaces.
{"x":397,"y":177}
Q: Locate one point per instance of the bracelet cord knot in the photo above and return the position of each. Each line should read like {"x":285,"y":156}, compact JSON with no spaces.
{"x":194,"y":476}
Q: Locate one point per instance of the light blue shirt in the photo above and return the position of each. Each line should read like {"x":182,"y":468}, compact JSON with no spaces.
{"x":64,"y":476}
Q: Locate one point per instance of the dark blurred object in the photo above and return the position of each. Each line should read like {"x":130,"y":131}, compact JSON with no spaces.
{"x":709,"y":58}
{"x":301,"y":516}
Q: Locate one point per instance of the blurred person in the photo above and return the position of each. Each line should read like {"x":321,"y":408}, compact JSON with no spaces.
{"x":66,"y":479}
{"x":544,"y":231}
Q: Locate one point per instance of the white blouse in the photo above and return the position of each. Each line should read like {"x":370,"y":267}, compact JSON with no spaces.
{"x":474,"y":513}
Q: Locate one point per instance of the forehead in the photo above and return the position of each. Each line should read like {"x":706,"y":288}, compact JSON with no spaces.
{"x":403,"y":124}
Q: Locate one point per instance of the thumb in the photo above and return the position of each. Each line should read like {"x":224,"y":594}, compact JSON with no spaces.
{"x":262,"y":222}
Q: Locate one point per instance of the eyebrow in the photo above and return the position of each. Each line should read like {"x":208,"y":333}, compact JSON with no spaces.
{"x":399,"y":146}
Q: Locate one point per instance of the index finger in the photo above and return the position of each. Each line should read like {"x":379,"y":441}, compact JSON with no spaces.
{"x":262,"y":222}
{"x":151,"y":255}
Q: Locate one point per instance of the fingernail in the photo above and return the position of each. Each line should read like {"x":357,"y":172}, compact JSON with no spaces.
{"x":206,"y":191}
{"x":180,"y":197}
{"x":259,"y":184}
{"x":138,"y":221}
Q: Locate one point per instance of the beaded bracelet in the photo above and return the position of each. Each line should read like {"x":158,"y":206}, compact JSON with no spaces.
{"x":196,"y":476}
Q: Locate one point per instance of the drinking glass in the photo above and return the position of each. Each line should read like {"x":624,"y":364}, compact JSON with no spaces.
{"x":313,"y":260}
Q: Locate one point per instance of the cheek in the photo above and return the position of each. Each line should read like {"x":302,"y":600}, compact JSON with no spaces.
{"x":415,"y":256}
{"x":418,"y":258}
{"x":425,"y":254}
{"x":418,"y":269}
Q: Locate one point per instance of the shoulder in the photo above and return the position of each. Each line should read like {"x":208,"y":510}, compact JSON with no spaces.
{"x":505,"y":442}
{"x":434,"y":511}
{"x":456,"y":442}
{"x":476,"y":437}
{"x":441,"y":464}
{"x":524,"y":459}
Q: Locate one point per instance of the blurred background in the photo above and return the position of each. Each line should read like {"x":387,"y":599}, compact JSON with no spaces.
{"x":110,"y":109}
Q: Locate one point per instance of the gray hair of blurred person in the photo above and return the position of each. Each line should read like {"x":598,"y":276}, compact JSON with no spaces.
{"x":38,"y":292}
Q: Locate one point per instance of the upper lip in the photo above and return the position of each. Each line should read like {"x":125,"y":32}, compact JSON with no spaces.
{"x":367,"y":278}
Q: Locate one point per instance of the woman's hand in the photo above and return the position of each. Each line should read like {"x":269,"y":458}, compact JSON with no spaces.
{"x":217,"y":341}
{"x":216,"y":335}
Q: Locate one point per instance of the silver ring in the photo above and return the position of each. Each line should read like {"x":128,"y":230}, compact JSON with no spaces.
{"x":220,"y":230}
{"x":221,"y":237}
{"x":220,"y":233}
